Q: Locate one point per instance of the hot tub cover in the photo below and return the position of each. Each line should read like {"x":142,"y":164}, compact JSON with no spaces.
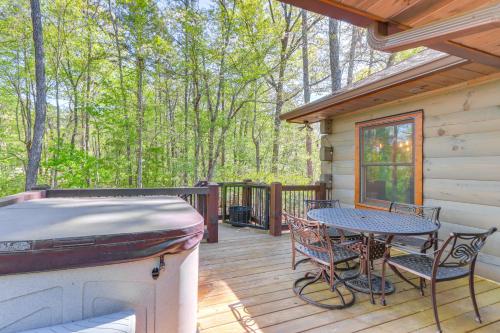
{"x":59,"y":233}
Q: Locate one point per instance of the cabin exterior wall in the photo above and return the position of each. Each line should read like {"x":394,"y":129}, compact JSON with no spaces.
{"x":461,"y":162}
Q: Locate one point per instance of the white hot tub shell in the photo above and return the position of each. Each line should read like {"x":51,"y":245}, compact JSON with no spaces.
{"x":74,"y":289}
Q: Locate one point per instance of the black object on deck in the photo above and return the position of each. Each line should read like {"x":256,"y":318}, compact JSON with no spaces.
{"x":239,"y":216}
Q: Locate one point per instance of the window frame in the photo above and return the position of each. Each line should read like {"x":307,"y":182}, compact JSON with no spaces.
{"x":417,"y":118}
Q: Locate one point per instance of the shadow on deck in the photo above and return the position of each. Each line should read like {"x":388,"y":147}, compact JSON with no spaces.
{"x":245,"y":286}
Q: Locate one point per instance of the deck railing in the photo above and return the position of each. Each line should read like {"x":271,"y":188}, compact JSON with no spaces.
{"x":267,"y":202}
{"x":246,"y":194}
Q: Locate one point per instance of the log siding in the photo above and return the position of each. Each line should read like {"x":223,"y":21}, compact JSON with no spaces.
{"x":461,"y":156}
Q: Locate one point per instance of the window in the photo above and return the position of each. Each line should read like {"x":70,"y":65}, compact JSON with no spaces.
{"x":389,"y":160}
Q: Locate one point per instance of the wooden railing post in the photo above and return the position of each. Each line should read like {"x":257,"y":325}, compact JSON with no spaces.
{"x":276,"y":210}
{"x":246,"y":195}
{"x":321,"y":191}
{"x":213,"y":213}
{"x":199,"y":201}
{"x":223,"y":200}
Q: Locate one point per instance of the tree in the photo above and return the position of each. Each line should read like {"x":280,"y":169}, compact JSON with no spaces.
{"x":334,"y":48}
{"x":307,"y":91}
{"x":289,"y":42}
{"x":150,"y":93}
{"x":352,"y":54}
{"x":35,"y":147}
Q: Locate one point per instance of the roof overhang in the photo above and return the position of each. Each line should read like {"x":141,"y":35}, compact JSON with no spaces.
{"x":442,"y":72}
{"x":465,"y":28}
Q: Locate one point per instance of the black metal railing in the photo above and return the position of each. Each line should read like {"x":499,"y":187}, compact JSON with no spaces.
{"x":294,"y":197}
{"x":252,"y":196}
{"x":239,"y":198}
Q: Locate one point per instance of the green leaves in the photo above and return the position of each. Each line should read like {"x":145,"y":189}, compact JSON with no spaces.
{"x":209,"y":91}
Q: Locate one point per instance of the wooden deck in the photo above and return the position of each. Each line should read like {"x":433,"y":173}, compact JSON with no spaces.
{"x":245,"y":286}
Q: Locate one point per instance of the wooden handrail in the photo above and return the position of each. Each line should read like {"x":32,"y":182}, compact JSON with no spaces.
{"x":21,"y":197}
{"x":300,"y":187}
{"x":124,"y":192}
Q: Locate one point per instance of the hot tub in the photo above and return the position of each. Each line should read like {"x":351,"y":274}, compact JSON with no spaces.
{"x":69,"y":259}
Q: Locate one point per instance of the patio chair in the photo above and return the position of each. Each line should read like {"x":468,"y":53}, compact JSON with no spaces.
{"x":311,"y":239}
{"x":454,"y":260}
{"x":335,"y":235}
{"x":422,"y":243}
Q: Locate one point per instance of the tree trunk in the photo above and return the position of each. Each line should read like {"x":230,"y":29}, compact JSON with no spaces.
{"x":186,"y":144}
{"x":307,"y":92}
{"x":279,"y":106}
{"x":140,"y":117}
{"x":255,"y":135}
{"x":352,"y":55}
{"x":370,"y":61}
{"x":86,"y":119}
{"x":123,"y":94}
{"x":35,"y":150}
{"x":333,"y":39}
{"x":390,"y":60}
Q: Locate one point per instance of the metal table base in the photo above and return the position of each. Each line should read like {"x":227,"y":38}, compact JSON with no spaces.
{"x":359,"y":282}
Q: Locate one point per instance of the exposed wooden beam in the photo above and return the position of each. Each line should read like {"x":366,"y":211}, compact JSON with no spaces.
{"x":419,"y":9}
{"x":467,"y":52}
{"x":434,"y":33}
{"x":336,"y":10}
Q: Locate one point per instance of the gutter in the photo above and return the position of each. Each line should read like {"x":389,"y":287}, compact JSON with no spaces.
{"x":469,"y":23}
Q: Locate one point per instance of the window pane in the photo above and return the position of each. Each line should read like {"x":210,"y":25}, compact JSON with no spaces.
{"x":377,"y":183}
{"x":377,"y":144}
{"x":404,"y":190}
{"x":388,"y":183}
{"x":404,"y":143}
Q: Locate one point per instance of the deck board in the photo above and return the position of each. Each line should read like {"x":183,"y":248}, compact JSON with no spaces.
{"x":245,"y":286}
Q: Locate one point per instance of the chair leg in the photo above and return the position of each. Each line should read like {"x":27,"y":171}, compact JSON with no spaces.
{"x":398,"y":273}
{"x":293,"y":258}
{"x":422,"y":284}
{"x":473,"y":296}
{"x":368,"y":268}
{"x":299,"y":262}
{"x":382,"y":297}
{"x":434,"y":305}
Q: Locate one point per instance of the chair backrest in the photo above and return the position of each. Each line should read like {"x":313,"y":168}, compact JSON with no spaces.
{"x":315,"y":204}
{"x":431,"y":213}
{"x":460,"y":249}
{"x":310,"y":235}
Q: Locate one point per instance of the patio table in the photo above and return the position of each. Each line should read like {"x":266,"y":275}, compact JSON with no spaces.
{"x":370,"y":223}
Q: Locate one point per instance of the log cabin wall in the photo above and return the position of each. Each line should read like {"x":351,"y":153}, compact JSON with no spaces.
{"x":461,"y":158}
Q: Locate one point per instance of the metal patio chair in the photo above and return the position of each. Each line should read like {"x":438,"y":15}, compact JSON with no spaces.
{"x":455,"y":259}
{"x":335,"y":235}
{"x":311,"y":239}
{"x":421,"y":243}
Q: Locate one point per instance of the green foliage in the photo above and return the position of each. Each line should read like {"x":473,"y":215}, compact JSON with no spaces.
{"x":209,"y":106}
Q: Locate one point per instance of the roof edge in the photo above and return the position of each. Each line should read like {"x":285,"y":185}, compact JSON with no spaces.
{"x":410,"y":74}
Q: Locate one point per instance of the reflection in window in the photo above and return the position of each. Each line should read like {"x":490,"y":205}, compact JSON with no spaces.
{"x":387,"y":165}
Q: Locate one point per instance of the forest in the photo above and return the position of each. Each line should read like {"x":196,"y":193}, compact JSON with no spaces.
{"x":144,"y":93}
